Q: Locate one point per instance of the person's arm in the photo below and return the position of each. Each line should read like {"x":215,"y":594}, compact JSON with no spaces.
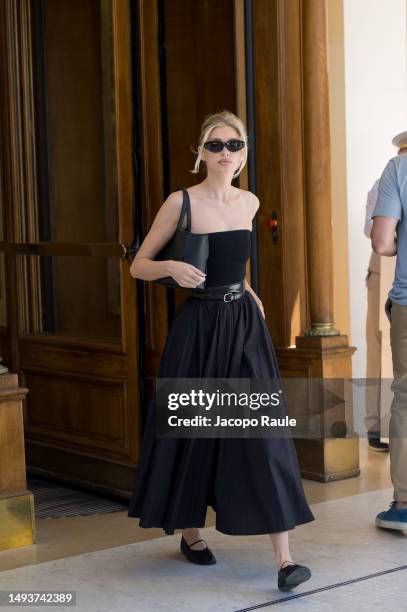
{"x":370,"y":205}
{"x":161,"y":230}
{"x":164,"y":225}
{"x":383,"y":236}
{"x":387,"y":213}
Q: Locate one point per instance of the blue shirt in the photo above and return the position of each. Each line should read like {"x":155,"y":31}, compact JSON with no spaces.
{"x":392,"y":202}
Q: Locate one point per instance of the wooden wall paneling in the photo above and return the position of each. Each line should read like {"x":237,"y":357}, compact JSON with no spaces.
{"x":124,"y":117}
{"x":148,"y":108}
{"x":240,"y":88}
{"x":4,"y":319}
{"x":92,"y":411}
{"x":240,"y":74}
{"x":29,"y":271}
{"x":278,"y":103}
{"x":199,"y":59}
{"x":17,"y":517}
{"x":13,"y":173}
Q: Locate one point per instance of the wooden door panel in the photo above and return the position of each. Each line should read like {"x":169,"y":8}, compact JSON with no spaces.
{"x":78,"y":410}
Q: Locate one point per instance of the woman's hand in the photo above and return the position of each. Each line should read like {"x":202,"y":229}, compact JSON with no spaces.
{"x":185,"y":274}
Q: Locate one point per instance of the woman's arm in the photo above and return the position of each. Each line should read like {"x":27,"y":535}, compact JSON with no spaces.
{"x":143,"y":265}
{"x":162,"y":229}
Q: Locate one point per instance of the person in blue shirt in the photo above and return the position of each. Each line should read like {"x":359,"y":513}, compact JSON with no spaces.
{"x":389,"y":238}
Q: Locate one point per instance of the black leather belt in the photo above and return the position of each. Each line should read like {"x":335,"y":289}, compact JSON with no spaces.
{"x":225,"y":293}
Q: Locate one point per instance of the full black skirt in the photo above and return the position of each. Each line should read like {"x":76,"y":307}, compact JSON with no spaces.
{"x":253,"y":484}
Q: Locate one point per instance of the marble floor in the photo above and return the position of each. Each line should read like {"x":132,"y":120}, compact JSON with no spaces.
{"x":112,"y":564}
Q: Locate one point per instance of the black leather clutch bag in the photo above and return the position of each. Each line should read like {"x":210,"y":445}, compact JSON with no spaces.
{"x":185,"y":246}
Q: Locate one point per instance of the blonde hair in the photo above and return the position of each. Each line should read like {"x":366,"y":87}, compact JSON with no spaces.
{"x":220,"y":119}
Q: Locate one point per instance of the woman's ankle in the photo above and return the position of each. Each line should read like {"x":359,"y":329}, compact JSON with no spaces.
{"x":281,"y":547}
{"x":191,"y":535}
{"x":190,"y":532}
{"x":284,"y":563}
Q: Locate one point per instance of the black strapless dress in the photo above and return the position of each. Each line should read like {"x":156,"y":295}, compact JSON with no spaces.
{"x":254,"y":484}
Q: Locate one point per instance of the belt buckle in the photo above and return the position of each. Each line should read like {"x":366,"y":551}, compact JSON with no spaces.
{"x":224,"y":297}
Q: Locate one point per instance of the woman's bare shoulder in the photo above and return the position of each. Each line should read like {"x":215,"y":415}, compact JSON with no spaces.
{"x":169,"y":211}
{"x":173,"y":203}
{"x":174,"y":198}
{"x":250,"y":198}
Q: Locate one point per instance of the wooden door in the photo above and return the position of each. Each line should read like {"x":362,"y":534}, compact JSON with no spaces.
{"x":68,"y":193}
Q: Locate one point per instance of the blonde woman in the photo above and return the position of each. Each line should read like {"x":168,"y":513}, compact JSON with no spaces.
{"x":253,"y":484}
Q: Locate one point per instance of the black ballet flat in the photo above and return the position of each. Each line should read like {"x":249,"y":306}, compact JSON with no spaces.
{"x":291,"y":576}
{"x":202,"y":557}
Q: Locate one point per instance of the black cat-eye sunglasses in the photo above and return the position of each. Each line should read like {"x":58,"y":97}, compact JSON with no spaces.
{"x":216,"y":146}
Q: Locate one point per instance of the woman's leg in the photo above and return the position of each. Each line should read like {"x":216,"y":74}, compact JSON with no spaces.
{"x":279,"y":541}
{"x":281,"y":548}
{"x":290,"y":574}
{"x":192,"y":535}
